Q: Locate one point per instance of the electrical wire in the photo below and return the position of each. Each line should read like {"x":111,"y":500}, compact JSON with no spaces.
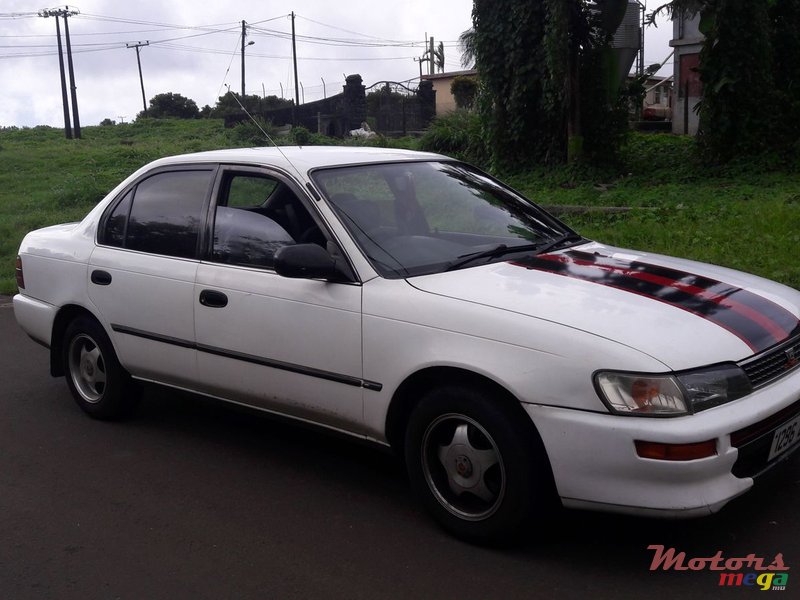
{"x":228,"y":70}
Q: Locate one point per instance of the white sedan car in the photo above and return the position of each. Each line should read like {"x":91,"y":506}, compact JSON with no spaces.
{"x":414,"y":301}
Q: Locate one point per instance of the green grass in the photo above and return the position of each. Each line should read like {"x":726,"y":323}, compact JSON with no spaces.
{"x":745,"y":216}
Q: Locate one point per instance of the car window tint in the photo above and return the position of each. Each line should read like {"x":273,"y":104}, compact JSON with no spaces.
{"x":166,"y":213}
{"x":117,"y":221}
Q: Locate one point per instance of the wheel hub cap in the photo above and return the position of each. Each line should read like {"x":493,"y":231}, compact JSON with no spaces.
{"x":88,"y":368}
{"x":463,"y":466}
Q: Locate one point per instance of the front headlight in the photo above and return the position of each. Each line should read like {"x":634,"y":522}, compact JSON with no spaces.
{"x":669,"y":395}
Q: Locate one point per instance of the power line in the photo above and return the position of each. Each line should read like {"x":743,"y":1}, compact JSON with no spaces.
{"x":22,"y":15}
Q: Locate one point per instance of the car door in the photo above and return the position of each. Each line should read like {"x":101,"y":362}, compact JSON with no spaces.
{"x":142,"y":272}
{"x":287,"y":345}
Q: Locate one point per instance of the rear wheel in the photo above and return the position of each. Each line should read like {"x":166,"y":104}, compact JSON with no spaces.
{"x":99,"y":384}
{"x":478,"y":470}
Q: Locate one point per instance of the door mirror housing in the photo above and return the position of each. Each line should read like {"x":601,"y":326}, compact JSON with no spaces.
{"x":306,"y":261}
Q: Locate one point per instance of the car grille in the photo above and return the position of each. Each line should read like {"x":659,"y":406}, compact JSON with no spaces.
{"x":773,"y":364}
{"x":755,"y":441}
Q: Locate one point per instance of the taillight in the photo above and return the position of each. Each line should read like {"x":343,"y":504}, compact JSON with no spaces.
{"x":18,"y":273}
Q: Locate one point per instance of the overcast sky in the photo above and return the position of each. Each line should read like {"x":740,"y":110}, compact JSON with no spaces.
{"x":195,"y":50}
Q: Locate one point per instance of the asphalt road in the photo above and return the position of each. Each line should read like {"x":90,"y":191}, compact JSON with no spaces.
{"x":190,"y":499}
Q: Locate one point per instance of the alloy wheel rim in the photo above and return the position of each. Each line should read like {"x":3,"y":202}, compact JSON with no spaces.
{"x":463,"y":467}
{"x":87,"y":368}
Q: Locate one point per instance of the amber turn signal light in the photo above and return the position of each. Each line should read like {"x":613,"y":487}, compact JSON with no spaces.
{"x":676,"y":452}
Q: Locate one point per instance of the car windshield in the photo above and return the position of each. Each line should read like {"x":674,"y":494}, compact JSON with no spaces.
{"x":417,"y":218}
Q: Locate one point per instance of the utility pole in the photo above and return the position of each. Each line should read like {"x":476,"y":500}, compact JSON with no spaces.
{"x":76,"y":121}
{"x":420,"y":61}
{"x":294,"y":59}
{"x":54,"y":12}
{"x":430,"y":58}
{"x":641,"y":41}
{"x":138,"y":45}
{"x":244,"y":36}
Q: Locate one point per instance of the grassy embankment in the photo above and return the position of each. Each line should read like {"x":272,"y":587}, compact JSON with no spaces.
{"x":745,"y":217}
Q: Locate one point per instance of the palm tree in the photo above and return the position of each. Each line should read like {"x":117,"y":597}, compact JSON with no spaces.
{"x":466,"y":43}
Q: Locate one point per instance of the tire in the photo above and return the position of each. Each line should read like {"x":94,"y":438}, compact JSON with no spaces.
{"x":98,"y":383}
{"x":480,"y":472}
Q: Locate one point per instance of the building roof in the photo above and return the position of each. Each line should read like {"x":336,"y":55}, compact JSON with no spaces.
{"x":451,"y":74}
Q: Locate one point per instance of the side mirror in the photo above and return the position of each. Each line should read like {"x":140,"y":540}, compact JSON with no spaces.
{"x":305,"y":261}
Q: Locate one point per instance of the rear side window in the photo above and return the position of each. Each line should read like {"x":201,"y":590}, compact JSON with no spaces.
{"x":162,"y":215}
{"x":117,"y":221}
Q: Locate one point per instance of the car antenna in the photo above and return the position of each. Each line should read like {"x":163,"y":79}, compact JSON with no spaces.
{"x":261,"y":129}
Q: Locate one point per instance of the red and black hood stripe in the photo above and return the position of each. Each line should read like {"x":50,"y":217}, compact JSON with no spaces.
{"x":757,"y":321}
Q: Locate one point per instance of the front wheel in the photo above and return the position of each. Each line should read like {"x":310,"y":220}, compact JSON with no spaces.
{"x":478,"y":470}
{"x":99,"y":384}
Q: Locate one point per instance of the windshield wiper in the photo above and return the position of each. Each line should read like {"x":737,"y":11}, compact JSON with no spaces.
{"x":567,"y":237}
{"x":501,"y":249}
{"x":492,"y":252}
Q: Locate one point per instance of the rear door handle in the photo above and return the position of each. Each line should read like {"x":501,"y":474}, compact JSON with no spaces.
{"x":101,"y":277}
{"x":213,"y":299}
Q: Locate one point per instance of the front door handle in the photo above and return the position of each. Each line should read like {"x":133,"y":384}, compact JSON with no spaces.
{"x":101,"y":277}
{"x":213,"y":299}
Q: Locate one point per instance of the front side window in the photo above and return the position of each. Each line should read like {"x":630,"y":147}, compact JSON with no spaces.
{"x":161,"y":215}
{"x":255,"y":216}
{"x":425,"y":217}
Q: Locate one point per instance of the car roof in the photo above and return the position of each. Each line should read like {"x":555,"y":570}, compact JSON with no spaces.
{"x":301,"y":158}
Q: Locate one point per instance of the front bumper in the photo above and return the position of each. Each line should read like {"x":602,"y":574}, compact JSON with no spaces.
{"x":595,"y":464}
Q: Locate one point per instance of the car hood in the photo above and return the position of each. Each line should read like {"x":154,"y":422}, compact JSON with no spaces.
{"x":683,"y":313}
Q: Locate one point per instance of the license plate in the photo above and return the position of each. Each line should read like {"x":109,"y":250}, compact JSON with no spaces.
{"x":785,"y":437}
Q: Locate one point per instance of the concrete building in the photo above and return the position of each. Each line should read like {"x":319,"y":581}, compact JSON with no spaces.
{"x":688,"y":89}
{"x":445,"y":102}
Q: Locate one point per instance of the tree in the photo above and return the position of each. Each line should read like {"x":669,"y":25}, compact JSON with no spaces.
{"x":171,"y":105}
{"x":738,"y":110}
{"x":750,"y":69}
{"x":464,"y":90}
{"x":466,"y":43}
{"x":785,"y":17}
{"x":254,"y":104}
{"x":438,"y":57}
{"x":547,"y":78}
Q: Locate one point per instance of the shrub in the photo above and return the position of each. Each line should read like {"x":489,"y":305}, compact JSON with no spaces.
{"x":251,"y":133}
{"x":458,"y":134}
{"x":464,"y":90}
{"x":301,"y":135}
